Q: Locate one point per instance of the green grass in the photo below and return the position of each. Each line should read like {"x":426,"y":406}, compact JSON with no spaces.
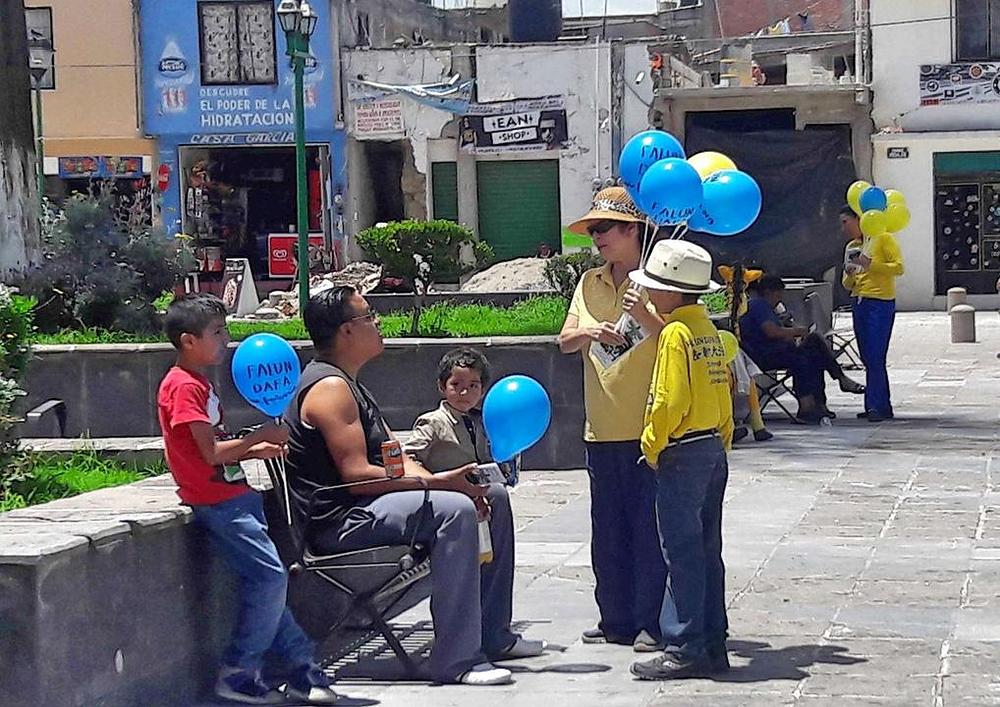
{"x":50,"y":477}
{"x":535,"y":316}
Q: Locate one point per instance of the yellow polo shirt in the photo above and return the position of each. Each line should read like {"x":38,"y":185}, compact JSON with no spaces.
{"x":613,"y":397}
{"x":690,"y":387}
{"x":879,"y":282}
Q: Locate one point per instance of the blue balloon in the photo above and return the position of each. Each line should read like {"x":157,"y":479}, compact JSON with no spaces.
{"x":516,"y":413}
{"x":873,"y":199}
{"x":731,"y":203}
{"x":266,"y":373}
{"x":641,"y":152}
{"x":670,"y":191}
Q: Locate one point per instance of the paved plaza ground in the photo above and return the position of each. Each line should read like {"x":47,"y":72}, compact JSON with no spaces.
{"x":863,"y":560}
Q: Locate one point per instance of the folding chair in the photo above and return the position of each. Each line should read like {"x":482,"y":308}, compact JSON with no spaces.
{"x":771,"y":386}
{"x":373,"y":579}
{"x":842,"y":341}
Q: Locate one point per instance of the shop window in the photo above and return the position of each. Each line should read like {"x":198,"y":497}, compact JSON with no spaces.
{"x":977,"y":30}
{"x":39,"y":24}
{"x":237,"y":43}
{"x":967,"y":221}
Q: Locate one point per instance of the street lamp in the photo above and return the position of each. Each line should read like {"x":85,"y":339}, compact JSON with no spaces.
{"x":298,"y":21}
{"x":40,"y":56}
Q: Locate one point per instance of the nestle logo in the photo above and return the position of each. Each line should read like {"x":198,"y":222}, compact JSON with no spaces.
{"x":173,"y":66}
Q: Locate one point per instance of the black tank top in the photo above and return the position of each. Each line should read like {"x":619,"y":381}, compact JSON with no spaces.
{"x":309,"y":463}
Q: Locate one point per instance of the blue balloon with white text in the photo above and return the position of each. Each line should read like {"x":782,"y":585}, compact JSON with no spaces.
{"x":516,"y":414}
{"x":266,"y":373}
{"x":670,"y":191}
{"x":641,"y":152}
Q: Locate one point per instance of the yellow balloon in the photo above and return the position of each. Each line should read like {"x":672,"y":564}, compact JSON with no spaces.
{"x":895,"y":197}
{"x":730,"y":344}
{"x":854,"y":193}
{"x":708,"y":163}
{"x":873,"y":223}
{"x":897,"y":217}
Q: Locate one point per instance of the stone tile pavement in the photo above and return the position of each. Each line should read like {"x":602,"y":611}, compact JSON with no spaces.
{"x":863,"y":560}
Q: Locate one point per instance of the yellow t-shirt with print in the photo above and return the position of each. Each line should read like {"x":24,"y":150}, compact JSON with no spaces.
{"x":690,"y":387}
{"x":614,"y":398}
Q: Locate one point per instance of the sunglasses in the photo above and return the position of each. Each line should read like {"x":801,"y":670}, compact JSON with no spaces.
{"x":601,"y":227}
{"x":370,"y":315}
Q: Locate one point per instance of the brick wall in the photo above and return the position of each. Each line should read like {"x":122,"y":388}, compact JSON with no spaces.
{"x":740,"y":17}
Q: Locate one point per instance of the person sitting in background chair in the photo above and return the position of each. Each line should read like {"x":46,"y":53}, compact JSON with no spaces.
{"x":806,"y":354}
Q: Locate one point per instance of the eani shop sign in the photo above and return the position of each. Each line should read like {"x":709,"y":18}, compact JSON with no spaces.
{"x":530,"y":125}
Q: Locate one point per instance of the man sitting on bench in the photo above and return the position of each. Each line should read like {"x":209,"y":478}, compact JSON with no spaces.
{"x":805,"y":354}
{"x":337,"y":436}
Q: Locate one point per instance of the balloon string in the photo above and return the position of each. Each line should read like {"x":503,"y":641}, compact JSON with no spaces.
{"x":680,"y":230}
{"x":284,"y":482}
{"x":648,"y":240}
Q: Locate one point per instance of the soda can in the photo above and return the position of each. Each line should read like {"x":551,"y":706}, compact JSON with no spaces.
{"x":392,"y":459}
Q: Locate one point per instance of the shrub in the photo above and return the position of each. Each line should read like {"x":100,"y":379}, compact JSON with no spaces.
{"x":424,"y":252}
{"x":564,"y":271}
{"x":96,"y":272}
{"x":15,"y":328}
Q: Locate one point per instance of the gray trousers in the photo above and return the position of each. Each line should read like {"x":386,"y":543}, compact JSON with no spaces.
{"x":471,"y":607}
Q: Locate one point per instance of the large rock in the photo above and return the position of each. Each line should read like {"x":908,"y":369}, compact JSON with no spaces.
{"x":518,"y":275}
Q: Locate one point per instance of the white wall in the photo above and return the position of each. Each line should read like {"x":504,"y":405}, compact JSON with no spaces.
{"x":906,"y":34}
{"x":582,"y":74}
{"x":914,"y":177}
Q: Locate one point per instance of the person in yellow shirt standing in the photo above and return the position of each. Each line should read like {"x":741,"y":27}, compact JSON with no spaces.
{"x":873,"y":287}
{"x":624,"y":546}
{"x":688,"y":428}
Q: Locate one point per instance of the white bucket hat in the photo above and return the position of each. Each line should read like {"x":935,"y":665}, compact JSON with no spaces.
{"x":678,"y":266}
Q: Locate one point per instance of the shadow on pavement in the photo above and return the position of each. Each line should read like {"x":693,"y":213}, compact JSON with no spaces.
{"x":788,"y":663}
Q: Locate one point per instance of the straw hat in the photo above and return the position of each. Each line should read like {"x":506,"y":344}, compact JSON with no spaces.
{"x":678,"y":266}
{"x":611,"y":204}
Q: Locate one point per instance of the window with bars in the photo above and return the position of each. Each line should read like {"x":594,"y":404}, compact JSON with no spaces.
{"x":39,"y":24}
{"x":977,"y":29}
{"x":237,"y":43}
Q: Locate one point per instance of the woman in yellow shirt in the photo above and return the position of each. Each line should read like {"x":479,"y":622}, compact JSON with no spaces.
{"x":625,"y":550}
{"x":873,"y":272}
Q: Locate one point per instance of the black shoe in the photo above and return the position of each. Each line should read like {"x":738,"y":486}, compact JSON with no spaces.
{"x":597,"y":635}
{"x":878,"y":417}
{"x":672,"y":666}
{"x":739,"y":434}
{"x":762,"y":435}
{"x":827,"y":412}
{"x":718,"y":657}
{"x":863,"y":415}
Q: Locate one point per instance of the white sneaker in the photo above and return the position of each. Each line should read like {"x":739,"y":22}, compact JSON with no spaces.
{"x":316,"y":695}
{"x":524,"y":648}
{"x":487,"y":674}
{"x":240,"y":686}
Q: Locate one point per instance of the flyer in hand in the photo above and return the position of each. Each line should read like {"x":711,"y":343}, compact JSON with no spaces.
{"x":634,"y":334}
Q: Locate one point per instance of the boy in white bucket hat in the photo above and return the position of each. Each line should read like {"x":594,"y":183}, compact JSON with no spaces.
{"x":688,"y":428}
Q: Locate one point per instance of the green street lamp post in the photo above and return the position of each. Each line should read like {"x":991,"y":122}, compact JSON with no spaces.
{"x":40,"y":56}
{"x":298,"y":21}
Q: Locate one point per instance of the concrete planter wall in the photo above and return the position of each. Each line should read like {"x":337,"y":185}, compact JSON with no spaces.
{"x":110,"y":390}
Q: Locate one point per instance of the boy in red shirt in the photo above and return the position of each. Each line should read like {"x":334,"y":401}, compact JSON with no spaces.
{"x":190,"y":416}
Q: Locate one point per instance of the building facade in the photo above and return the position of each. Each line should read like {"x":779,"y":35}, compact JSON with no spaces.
{"x":515,"y":149}
{"x":936,"y":83}
{"x":217,"y":95}
{"x":90,"y":106}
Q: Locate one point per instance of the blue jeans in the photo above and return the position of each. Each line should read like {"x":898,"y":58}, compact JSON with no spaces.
{"x":239,"y":534}
{"x":873,"y":320}
{"x":624,"y":546}
{"x":691,"y":486}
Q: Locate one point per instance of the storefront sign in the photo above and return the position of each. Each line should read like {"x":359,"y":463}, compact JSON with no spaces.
{"x":452,"y":96}
{"x":98,"y":167}
{"x":281,"y":252}
{"x":379,"y":119}
{"x":176,"y":102}
{"x":898,"y":153}
{"x":515,"y":126}
{"x":951,"y":84}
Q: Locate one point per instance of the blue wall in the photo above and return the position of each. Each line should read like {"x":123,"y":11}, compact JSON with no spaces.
{"x":179,"y":110}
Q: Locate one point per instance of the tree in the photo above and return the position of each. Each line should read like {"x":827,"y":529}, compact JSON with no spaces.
{"x":19,"y":235}
{"x":424,"y":252}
